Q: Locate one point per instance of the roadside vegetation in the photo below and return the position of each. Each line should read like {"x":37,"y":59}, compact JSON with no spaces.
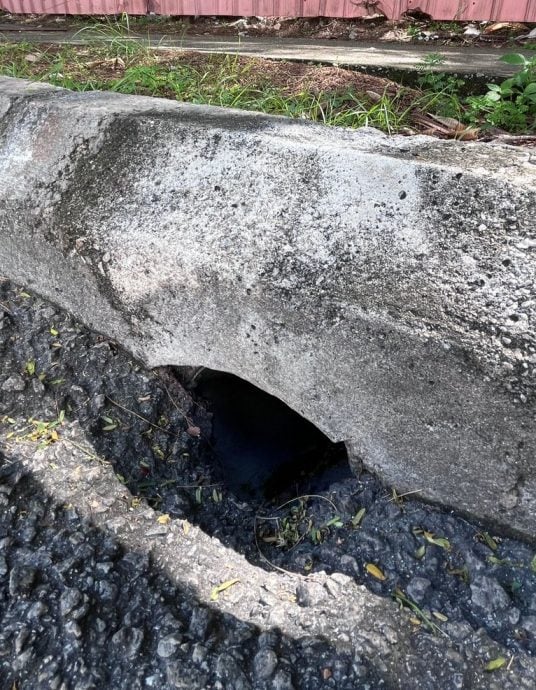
{"x":437,"y":104}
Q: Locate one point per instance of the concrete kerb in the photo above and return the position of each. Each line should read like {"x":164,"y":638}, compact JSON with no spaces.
{"x":382,"y":287}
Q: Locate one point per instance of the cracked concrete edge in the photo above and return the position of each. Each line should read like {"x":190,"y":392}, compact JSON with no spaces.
{"x":344,"y":614}
{"x":382,"y":287}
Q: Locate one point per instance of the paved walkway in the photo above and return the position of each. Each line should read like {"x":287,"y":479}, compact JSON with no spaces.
{"x":399,"y":56}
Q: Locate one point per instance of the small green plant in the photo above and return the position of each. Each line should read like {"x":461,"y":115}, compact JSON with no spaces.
{"x":521,"y":88}
{"x":413,"y":31}
{"x":442,"y":90}
{"x":512,"y":103}
{"x":450,"y":27}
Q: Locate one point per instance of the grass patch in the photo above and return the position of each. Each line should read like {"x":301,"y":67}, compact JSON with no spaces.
{"x":112,"y":61}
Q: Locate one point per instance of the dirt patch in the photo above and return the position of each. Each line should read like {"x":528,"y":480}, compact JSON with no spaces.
{"x":290,"y":78}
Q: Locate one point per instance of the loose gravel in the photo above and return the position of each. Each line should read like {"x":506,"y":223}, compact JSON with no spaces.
{"x":129,"y":560}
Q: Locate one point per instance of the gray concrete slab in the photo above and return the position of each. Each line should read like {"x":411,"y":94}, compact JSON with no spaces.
{"x":383,"y":287}
{"x":379,"y":55}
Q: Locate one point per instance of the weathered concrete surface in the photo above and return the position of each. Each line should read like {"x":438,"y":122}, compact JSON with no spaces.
{"x":384,"y":288}
{"x":381,"y":56}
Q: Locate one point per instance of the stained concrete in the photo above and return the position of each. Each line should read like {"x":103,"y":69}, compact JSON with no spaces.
{"x":382,"y":287}
{"x":374,"y":56}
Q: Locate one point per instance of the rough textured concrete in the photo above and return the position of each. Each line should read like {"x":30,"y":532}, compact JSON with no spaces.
{"x":384,"y":288}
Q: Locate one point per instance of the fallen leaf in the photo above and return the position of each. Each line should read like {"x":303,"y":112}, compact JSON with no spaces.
{"x":533,"y":564}
{"x":358,"y":517}
{"x":488,"y":540}
{"x":415,"y":621}
{"x":421,"y":551}
{"x":438,"y":541}
{"x":193,"y":431}
{"x":375,"y":571}
{"x":221,"y":588}
{"x":326,"y":673}
{"x":53,"y":331}
{"x":439,"y":616}
{"x":505,"y":27}
{"x":185,"y":526}
{"x":374,"y":97}
{"x":334,"y":522}
{"x":497,"y":561}
{"x":163,"y":519}
{"x":445,"y":126}
{"x":495,"y":664}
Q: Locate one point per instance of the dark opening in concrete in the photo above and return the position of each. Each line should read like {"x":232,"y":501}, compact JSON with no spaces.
{"x":264,"y":448}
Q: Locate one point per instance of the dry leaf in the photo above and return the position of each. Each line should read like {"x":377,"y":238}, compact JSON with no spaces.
{"x":445,"y":126}
{"x":221,"y":588}
{"x":438,"y":541}
{"x":373,"y":96}
{"x":326,"y":673}
{"x":506,"y":27}
{"x":193,"y":431}
{"x":421,"y":552}
{"x":358,"y":517}
{"x":185,"y":526}
{"x":495,"y":664}
{"x":163,"y":519}
{"x":375,"y":571}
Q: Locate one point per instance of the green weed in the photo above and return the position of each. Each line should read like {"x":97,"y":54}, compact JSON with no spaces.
{"x":112,"y":60}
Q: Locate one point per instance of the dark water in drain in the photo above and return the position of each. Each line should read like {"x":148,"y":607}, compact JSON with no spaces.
{"x":263,"y":447}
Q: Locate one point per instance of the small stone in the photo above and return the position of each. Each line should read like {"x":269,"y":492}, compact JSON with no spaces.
{"x":13,"y":384}
{"x":69,"y":599}
{"x":228,"y":670}
{"x":21,"y":580}
{"x":3,"y":566}
{"x":20,"y":640}
{"x":37,"y":386}
{"x":37,"y":610}
{"x":265,"y":663}
{"x":417,"y":588}
{"x":528,"y":623}
{"x":487,"y":595}
{"x":199,"y":623}
{"x":282,"y":681}
{"x":73,"y":629}
{"x":268,"y":638}
{"x":128,"y":640}
{"x":509,"y":500}
{"x":513,"y":615}
{"x":199,"y":653}
{"x":168,"y":645}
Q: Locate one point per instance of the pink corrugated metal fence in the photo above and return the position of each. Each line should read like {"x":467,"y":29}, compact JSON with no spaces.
{"x":497,"y":10}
